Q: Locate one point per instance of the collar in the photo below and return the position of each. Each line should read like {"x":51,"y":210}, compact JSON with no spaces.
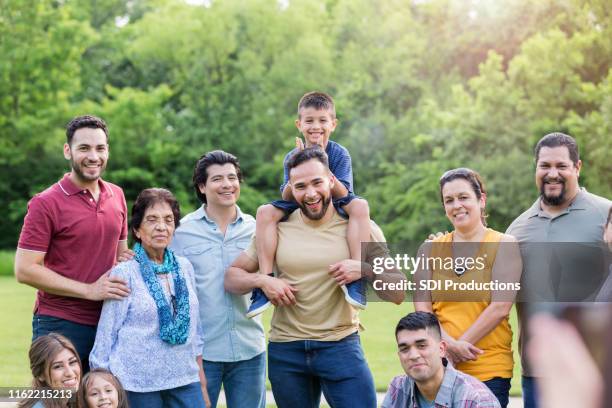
{"x":579,"y":203}
{"x":444,"y":397}
{"x":201,"y":213}
{"x":69,"y":188}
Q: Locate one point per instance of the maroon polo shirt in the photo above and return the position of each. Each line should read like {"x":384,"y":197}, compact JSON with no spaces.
{"x":79,"y":238}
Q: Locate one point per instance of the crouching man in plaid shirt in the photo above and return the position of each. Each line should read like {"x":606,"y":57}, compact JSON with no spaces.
{"x":431,"y":381}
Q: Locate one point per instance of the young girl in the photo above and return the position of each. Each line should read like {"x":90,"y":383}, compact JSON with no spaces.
{"x":101,"y":389}
{"x":55,"y":364}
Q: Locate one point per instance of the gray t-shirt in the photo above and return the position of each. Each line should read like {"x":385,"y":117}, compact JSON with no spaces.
{"x":582,"y":222}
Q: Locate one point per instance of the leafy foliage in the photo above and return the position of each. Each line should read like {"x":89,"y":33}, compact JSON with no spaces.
{"x":420,"y":87}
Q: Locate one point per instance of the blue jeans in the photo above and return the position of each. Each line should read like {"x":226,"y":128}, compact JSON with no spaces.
{"x":300,"y":370}
{"x":500,"y":387}
{"x":187,"y":396}
{"x":81,"y":335}
{"x":530,"y":392}
{"x":244,"y":382}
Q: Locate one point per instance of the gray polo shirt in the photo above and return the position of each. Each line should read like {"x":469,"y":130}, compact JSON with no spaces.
{"x":582,"y":222}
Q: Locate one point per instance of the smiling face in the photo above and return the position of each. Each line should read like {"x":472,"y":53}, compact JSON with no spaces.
{"x":557,"y":176}
{"x":316,"y":125}
{"x":101,"y":393}
{"x":156,"y":228}
{"x":222,"y":188}
{"x":311,"y":184}
{"x":420,"y":354}
{"x":463,"y":208}
{"x":88,"y":154}
{"x":64,"y":371}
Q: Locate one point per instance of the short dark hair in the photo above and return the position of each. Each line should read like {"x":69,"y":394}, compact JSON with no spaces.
{"x":557,"y":139}
{"x":609,"y":216}
{"x":471,"y":177}
{"x":85,"y":121}
{"x":148,"y":198}
{"x":302,"y":156}
{"x":200,"y":173}
{"x":317,"y":100}
{"x":417,"y":321}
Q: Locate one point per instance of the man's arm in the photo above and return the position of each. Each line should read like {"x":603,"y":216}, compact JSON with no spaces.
{"x":242,"y":277}
{"x":29,"y":269}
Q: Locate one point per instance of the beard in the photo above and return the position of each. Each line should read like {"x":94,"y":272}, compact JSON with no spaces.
{"x":552,"y":200}
{"x":81,"y":175}
{"x":325,"y":201}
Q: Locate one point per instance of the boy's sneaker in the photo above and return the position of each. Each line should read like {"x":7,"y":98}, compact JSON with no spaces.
{"x":354,"y":293}
{"x":259,"y":303}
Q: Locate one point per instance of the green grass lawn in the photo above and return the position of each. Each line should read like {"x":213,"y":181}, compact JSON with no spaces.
{"x":379,"y":320}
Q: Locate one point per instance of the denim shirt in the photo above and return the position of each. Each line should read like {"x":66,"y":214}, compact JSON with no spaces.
{"x":228,"y":335}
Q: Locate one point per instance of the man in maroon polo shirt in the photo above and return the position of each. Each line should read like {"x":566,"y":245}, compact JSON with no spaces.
{"x":71,"y":236}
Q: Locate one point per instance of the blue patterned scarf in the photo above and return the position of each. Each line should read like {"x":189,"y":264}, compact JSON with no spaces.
{"x":173,"y":324}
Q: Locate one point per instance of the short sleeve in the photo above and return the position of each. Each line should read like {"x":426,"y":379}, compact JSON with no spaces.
{"x":340,"y":164}
{"x":124,"y":224}
{"x":378,"y":247}
{"x":38,"y":227}
{"x":251,"y":250}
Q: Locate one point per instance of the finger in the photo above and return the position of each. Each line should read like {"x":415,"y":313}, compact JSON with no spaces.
{"x":334,"y":266}
{"x":116,"y":279}
{"x":120,"y":286}
{"x":289,"y":295}
{"x":116,"y":290}
{"x":285,"y":301}
{"x":112,"y":296}
{"x":475,"y":350}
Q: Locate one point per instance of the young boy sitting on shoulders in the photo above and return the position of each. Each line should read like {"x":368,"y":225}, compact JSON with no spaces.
{"x":316,"y":121}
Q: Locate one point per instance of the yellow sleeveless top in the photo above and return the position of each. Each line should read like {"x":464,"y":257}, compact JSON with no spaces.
{"x":456,"y":314}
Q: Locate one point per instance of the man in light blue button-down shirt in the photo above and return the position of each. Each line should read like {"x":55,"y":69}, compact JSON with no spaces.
{"x":211,"y":238}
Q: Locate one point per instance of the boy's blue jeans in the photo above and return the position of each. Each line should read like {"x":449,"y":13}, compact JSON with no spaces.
{"x":300,"y":370}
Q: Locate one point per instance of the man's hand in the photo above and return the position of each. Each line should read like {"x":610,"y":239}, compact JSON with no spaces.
{"x":279,"y":292}
{"x":346,"y":271}
{"x":108,"y":287}
{"x":299,"y":143}
{"x":126,"y":255}
{"x":461,"y":350}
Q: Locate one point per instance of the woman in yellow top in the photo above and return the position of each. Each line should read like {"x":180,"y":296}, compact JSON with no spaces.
{"x":472,"y":281}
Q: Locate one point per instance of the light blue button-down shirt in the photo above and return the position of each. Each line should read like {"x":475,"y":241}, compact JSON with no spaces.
{"x":228,"y":335}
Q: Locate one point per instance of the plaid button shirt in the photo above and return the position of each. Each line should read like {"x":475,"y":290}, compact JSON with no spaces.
{"x":458,"y":390}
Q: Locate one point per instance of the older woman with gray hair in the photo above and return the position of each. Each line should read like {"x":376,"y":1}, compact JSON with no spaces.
{"x":151,"y":341}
